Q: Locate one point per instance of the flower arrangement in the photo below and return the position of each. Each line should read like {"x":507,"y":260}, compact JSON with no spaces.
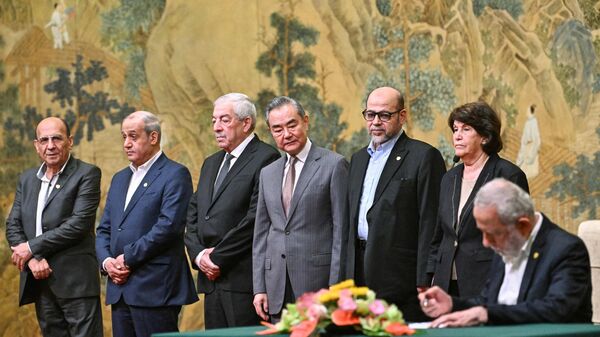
{"x":343,"y":305}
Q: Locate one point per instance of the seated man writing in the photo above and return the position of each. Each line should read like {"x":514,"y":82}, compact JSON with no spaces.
{"x":541,"y":272}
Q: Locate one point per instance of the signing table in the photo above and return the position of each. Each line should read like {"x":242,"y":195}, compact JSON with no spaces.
{"x":528,"y":330}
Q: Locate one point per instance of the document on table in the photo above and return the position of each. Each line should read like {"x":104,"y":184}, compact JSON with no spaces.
{"x":419,"y":325}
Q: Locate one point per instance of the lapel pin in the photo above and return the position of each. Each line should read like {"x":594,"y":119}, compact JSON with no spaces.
{"x":57,"y":186}
{"x":398,"y":158}
{"x":145,"y":184}
{"x":536,"y":255}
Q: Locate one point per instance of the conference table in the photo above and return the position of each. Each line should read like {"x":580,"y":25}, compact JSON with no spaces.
{"x":526,"y":330}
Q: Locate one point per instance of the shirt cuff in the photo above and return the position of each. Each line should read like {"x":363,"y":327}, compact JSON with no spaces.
{"x":104,"y":263}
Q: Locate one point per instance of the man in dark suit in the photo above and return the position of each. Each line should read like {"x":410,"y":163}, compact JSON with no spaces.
{"x":301,"y":214}
{"x":393,"y":193}
{"x":51,"y":232}
{"x":140,"y":237}
{"x":220,"y":221}
{"x":541,"y":273}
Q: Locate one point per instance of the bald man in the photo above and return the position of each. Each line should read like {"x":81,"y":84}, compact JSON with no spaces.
{"x":393,"y":193}
{"x":51,"y":232}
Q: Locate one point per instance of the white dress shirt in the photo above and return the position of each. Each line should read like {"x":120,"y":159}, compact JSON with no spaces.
{"x":514,"y":268}
{"x":138,"y":175}
{"x":45,"y":189}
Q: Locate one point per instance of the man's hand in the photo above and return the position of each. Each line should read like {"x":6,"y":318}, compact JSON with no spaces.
{"x":261,"y":305}
{"x":117,"y":270}
{"x":211,"y":270}
{"x":435,"y":302}
{"x":21,"y":255}
{"x":473,"y":316}
{"x":39,"y":268}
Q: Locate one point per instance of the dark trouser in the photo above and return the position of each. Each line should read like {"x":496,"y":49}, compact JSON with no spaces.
{"x":133,"y":321}
{"x":224,"y":309}
{"x":68,"y":317}
{"x":359,"y":264}
{"x":410,"y":307}
{"x":288,"y":297}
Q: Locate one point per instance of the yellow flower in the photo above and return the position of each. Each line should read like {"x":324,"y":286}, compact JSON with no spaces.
{"x":342,"y":285}
{"x":329,"y":296}
{"x":359,"y":291}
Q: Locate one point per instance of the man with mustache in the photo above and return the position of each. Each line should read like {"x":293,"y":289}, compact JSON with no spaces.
{"x":220,"y":220}
{"x":540,"y":274}
{"x":393,"y":199}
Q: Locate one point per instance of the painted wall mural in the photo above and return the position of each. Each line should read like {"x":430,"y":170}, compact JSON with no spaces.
{"x":536,"y":62}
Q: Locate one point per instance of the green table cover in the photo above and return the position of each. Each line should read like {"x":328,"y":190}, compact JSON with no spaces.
{"x":528,"y":330}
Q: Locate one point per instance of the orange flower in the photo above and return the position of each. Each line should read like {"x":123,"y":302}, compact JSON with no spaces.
{"x":399,"y":329}
{"x":304,"y":329}
{"x":343,"y":317}
{"x":272,"y":329}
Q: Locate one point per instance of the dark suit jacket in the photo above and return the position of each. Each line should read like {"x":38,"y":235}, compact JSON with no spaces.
{"x":401,"y":220}
{"x":472,"y":259}
{"x":227,"y":222}
{"x":556,"y":286}
{"x":67,"y":242}
{"x":150,"y":235}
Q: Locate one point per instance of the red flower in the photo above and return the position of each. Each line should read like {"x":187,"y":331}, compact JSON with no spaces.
{"x":342,"y":318}
{"x":398,"y":329}
{"x":304,"y":328}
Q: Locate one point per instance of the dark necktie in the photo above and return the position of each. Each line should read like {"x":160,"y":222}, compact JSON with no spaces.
{"x":222,"y":173}
{"x":288,"y":185}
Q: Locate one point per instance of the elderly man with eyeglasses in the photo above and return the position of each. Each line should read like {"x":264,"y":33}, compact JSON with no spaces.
{"x":393,"y":194}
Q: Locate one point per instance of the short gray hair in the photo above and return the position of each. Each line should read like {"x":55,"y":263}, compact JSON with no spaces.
{"x":242,"y":106}
{"x":511,"y":201}
{"x":151,"y":121}
{"x":280,"y":101}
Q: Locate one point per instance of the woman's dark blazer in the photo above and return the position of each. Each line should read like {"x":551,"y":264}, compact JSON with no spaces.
{"x":465,"y":248}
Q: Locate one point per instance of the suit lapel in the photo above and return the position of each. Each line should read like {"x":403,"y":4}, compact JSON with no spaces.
{"x":62,"y":179}
{"x":360,"y":162}
{"x":393,"y":163}
{"x":237,"y":167}
{"x":149,"y":178}
{"x":275,"y":188}
{"x":532,"y":261}
{"x":213,"y":171}
{"x":308,"y":171}
{"x":496,"y":279}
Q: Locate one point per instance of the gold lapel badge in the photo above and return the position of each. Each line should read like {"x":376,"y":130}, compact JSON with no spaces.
{"x":57,"y":186}
{"x":536,"y":255}
{"x":145,"y":184}
{"x":398,"y":158}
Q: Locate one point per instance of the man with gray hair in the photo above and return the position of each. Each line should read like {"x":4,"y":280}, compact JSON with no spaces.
{"x":139,"y":241}
{"x":220,"y":220}
{"x":541,"y":273}
{"x":301,"y":214}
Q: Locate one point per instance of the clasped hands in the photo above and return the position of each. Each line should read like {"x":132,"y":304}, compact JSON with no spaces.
{"x":117,"y":270}
{"x":211,"y":270}
{"x":21,"y":256}
{"x":436,"y":303}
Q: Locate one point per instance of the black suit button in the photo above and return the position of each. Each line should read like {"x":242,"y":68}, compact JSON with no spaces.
{"x":287,"y":232}
{"x":283,"y":256}
{"x":206,"y":217}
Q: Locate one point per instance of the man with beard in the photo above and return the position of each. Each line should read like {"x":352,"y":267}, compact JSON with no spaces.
{"x":541,"y":273}
{"x":393,"y":198}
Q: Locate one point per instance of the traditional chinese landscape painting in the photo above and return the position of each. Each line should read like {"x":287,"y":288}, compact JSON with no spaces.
{"x":536,"y":62}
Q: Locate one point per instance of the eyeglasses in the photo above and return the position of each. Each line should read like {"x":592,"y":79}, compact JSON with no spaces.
{"x":384,"y":116}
